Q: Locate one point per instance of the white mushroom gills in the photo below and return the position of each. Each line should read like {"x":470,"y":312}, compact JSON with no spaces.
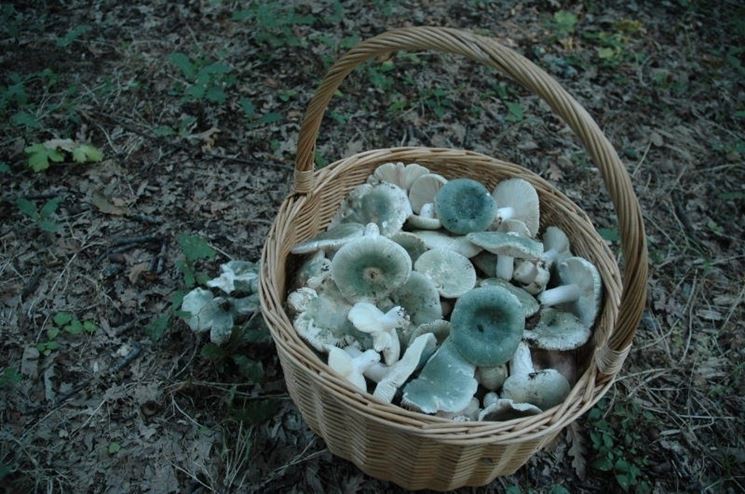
{"x":400,"y":371}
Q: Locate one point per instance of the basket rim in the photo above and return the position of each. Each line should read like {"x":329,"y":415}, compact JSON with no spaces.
{"x":588,"y":389}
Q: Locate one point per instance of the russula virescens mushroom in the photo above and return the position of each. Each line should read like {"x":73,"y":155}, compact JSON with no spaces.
{"x":331,"y":239}
{"x":555,"y":246}
{"x":397,"y":374}
{"x":240,"y":276}
{"x":532,"y":275}
{"x":314,"y":271}
{"x":426,"y":219}
{"x":496,"y":408}
{"x":528,"y":303}
{"x":492,"y":378}
{"x":441,"y":240}
{"x":384,"y":204}
{"x":487,"y":325}
{"x":424,"y":189}
{"x":446,"y":383}
{"x":419,"y":298}
{"x":399,"y":174}
{"x":352,"y":368}
{"x":370,"y":268}
{"x":381,"y":326}
{"x":579,"y":291}
{"x":557,"y":330}
{"x":508,"y":247}
{"x":440,"y":329}
{"x":544,"y":388}
{"x":464,"y":206}
{"x":517,"y":199}
{"x":208,"y":313}
{"x":414,"y":245}
{"x":452,"y":274}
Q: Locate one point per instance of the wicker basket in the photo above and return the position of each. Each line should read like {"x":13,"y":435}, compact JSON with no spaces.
{"x":414,"y":450}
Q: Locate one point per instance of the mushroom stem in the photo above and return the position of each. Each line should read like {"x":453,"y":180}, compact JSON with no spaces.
{"x":521,"y":363}
{"x":560,"y":295}
{"x":375,"y":372}
{"x":549,"y":257}
{"x":505,"y":266}
{"x":505,"y":213}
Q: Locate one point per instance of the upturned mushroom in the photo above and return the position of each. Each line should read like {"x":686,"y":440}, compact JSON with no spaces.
{"x":424,"y":189}
{"x":487,"y":325}
{"x":370,"y":268}
{"x":440,"y":329}
{"x":208,"y":313}
{"x":497,"y":409}
{"x":517,"y":199}
{"x":381,"y":326}
{"x":236,"y":275}
{"x":544,"y":389}
{"x":332,"y":239}
{"x":451,"y":273}
{"x":555,"y":246}
{"x":352,"y":368}
{"x":314,"y":271}
{"x":579,"y":291}
{"x":446,"y":383}
{"x":464,"y":206}
{"x":508,"y":247}
{"x":397,"y":374}
{"x":398,"y":174}
{"x":557,"y":330}
{"x":532,"y":275}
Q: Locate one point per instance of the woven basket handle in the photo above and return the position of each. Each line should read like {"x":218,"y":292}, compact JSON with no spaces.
{"x":609,"y":358}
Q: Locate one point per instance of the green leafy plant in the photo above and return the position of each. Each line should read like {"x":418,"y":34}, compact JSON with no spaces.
{"x":40,"y":156}
{"x":44,"y":217}
{"x":615,"y":440}
{"x":9,"y":377}
{"x":70,"y":324}
{"x":204,"y":80}
{"x":275,"y":23}
{"x":72,"y":35}
{"x":515,"y":112}
{"x":564,"y":23}
{"x":194,"y":249}
{"x":49,"y":344}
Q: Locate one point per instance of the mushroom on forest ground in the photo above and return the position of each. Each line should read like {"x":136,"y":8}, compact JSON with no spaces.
{"x":352,"y":368}
{"x":446,"y":383}
{"x":579,"y":291}
{"x":544,"y":388}
{"x":508,"y":247}
{"x":452,"y":274}
{"x":370,"y":268}
{"x":242,"y":276}
{"x":464,"y":206}
{"x":381,"y":326}
{"x":517,"y":199}
{"x":487,"y":325}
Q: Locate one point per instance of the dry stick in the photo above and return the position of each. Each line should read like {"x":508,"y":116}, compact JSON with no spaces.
{"x":689,"y":304}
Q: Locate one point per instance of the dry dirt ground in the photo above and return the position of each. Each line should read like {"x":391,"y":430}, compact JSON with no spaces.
{"x":196,"y":106}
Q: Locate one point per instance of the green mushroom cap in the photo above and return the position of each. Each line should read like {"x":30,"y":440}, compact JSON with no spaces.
{"x":464,"y":205}
{"x":487,"y":325}
{"x":419,"y":298}
{"x":370,"y":268}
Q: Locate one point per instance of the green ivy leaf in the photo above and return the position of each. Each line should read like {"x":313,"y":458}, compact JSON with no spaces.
{"x":25,"y":119}
{"x":89,"y":327}
{"x":158,"y":327}
{"x":85,"y":153}
{"x":50,"y":207}
{"x":114,"y":448}
{"x":516,"y":112}
{"x":163,"y":131}
{"x":28,"y":208}
{"x":71,"y":36}
{"x":183,"y":62}
{"x":75,"y":327}
{"x":53,"y":332}
{"x":249,"y":110}
{"x":39,"y":156}
{"x":62,"y":318}
{"x":195,"y":248}
{"x":9,"y":377}
{"x":249,"y":369}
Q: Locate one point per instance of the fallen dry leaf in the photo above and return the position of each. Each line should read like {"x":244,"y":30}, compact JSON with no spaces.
{"x":577,"y":450}
{"x":105,"y":206}
{"x":554,"y":172}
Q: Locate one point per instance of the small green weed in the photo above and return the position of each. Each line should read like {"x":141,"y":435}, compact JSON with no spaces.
{"x":204,"y":80}
{"x":275,"y":23}
{"x":564,"y":23}
{"x":9,"y":378}
{"x":616,"y":441}
{"x":42,"y":155}
{"x":44,"y":218}
{"x":70,"y":324}
{"x":71,"y":36}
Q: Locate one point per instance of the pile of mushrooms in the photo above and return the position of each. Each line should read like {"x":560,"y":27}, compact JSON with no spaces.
{"x":439,"y":296}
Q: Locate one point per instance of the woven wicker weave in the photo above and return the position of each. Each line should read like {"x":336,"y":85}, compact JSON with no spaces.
{"x":414,"y":450}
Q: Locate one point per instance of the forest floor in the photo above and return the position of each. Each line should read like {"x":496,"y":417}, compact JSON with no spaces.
{"x":195,"y":108}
